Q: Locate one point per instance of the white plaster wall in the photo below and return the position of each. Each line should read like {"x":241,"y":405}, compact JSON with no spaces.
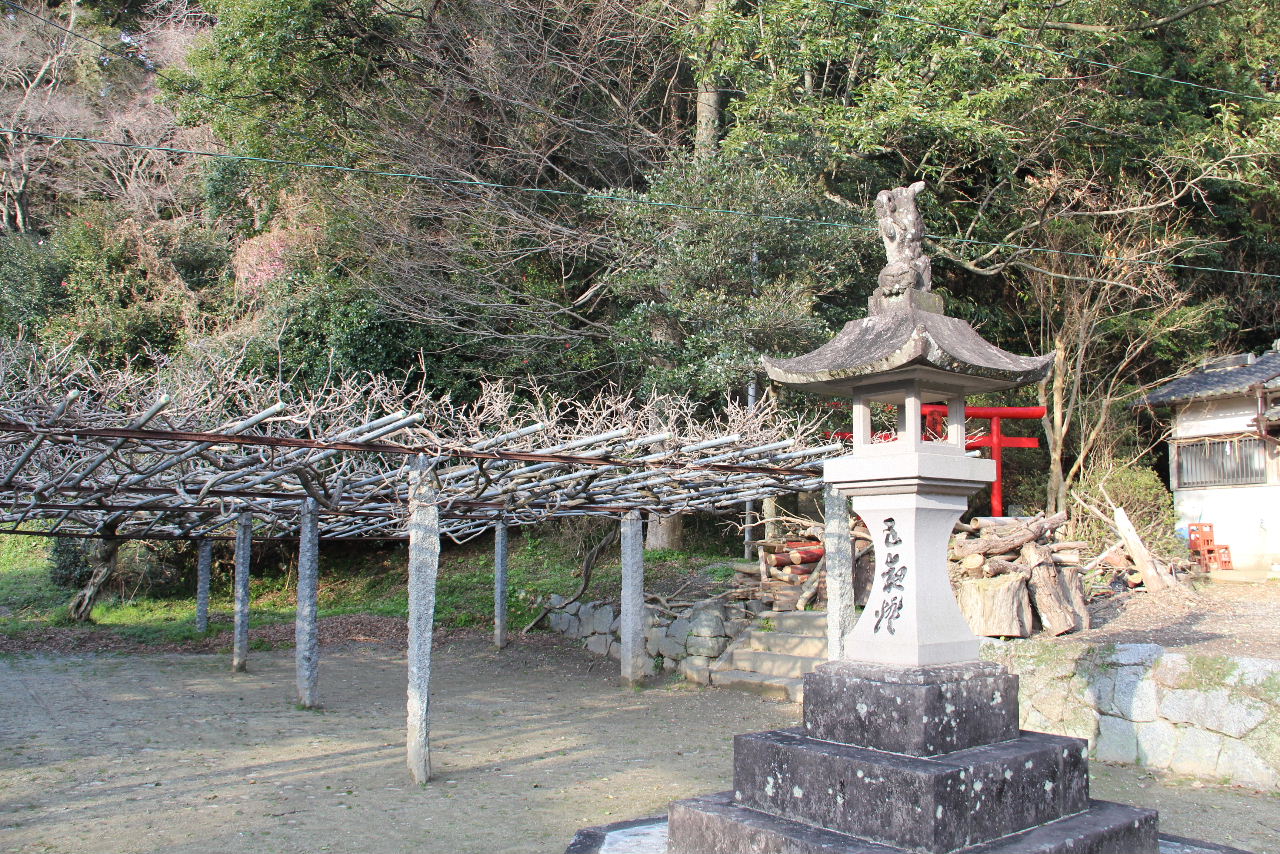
{"x":1216,"y":417}
{"x":1246,"y":518}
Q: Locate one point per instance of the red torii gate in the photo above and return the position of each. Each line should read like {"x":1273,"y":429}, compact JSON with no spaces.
{"x":996,"y":440}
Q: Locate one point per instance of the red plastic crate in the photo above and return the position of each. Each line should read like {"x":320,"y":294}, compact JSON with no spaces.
{"x":1201,"y":534}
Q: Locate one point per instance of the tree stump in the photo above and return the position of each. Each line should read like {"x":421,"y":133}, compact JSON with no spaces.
{"x":996,"y":607}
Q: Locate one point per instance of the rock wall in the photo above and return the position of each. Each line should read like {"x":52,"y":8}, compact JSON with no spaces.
{"x":1216,"y":717}
{"x":687,"y":642}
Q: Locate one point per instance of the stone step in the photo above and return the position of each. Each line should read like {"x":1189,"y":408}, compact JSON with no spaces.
{"x":786,"y":642}
{"x":775,"y":663}
{"x":797,"y":622}
{"x":780,"y":687}
{"x":715,"y":824}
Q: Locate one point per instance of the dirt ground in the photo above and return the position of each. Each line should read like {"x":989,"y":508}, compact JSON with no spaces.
{"x":126,"y":754}
{"x":1219,"y":619}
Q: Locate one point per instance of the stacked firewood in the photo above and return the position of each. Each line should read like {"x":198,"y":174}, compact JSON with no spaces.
{"x":791,"y":571}
{"x":1013,"y":576}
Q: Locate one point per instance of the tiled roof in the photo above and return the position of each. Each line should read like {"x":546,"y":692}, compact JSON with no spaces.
{"x":1217,"y":382}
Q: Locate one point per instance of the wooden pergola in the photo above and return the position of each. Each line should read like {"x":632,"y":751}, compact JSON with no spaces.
{"x":170,"y":454}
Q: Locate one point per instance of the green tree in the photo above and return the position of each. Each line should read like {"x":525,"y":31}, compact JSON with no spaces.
{"x":700,"y":295}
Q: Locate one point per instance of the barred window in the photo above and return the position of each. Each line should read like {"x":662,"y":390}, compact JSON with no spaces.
{"x":1221,"y":462}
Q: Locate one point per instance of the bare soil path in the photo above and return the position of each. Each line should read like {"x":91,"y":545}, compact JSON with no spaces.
{"x":1219,"y":619}
{"x":135,"y":754}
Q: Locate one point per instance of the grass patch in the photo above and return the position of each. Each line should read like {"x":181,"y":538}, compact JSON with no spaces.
{"x":27,"y":596}
{"x":364,"y":579}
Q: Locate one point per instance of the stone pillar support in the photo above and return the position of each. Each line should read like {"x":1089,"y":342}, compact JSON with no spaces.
{"x":424,"y":565}
{"x":500,"y":585}
{"x":204,"y":572}
{"x":305,"y":629}
{"x":838,"y":546}
{"x":631,"y":627}
{"x":955,"y":421}
{"x":244,"y":554}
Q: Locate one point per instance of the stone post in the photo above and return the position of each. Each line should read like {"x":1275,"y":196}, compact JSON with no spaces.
{"x":500,"y":585}
{"x":632,"y":607}
{"x":204,"y":571}
{"x":838,"y":546}
{"x":244,"y":553}
{"x":305,"y":630}
{"x":424,"y":564}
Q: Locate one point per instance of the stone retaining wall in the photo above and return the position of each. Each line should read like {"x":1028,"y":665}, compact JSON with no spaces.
{"x":687,"y":642}
{"x":1216,"y":717}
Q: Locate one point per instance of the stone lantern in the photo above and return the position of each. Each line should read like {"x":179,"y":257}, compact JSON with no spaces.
{"x":910,"y":485}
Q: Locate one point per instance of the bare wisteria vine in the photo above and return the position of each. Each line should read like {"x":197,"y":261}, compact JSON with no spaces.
{"x":177,"y":450}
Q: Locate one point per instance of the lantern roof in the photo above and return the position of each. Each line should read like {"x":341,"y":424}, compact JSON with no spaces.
{"x":906,"y":338}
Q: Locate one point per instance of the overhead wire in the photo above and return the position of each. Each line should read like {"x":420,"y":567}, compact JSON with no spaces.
{"x":187,"y":87}
{"x":632,"y":200}
{"x":881,"y":10}
{"x":628,"y":199}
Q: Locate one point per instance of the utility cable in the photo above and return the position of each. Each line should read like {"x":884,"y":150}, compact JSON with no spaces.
{"x":185,"y":86}
{"x":767,"y":217}
{"x":880,"y":10}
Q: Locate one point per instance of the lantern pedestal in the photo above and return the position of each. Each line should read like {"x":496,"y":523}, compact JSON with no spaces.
{"x":919,"y":759}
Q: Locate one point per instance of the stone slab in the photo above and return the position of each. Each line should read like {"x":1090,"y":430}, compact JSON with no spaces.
{"x":928,"y":804}
{"x":919,"y":711}
{"x":716,"y":825}
{"x":649,"y":836}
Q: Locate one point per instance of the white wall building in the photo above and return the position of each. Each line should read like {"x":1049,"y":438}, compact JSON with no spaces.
{"x":1224,"y":454}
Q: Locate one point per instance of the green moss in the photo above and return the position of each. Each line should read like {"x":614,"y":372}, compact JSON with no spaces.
{"x":1207,"y":671}
{"x":1269,"y":689}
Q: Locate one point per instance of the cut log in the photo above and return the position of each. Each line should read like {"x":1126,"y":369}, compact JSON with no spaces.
{"x":809,"y":554}
{"x":1056,"y":610}
{"x":972,"y":565}
{"x":1013,"y":541}
{"x":1073,"y":588}
{"x":994,"y":566}
{"x":785,"y":561}
{"x":1153,"y":578}
{"x":811,"y":586}
{"x":1069,"y":545}
{"x":786,"y":574}
{"x":996,"y":607}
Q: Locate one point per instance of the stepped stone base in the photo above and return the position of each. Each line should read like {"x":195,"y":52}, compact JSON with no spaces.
{"x":937,"y":805}
{"x":716,"y":825}
{"x":926,"y":760}
{"x":649,"y":836}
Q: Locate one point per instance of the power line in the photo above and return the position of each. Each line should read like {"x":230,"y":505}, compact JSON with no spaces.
{"x":880,"y":10}
{"x":435,"y":179}
{"x":767,"y":217}
{"x":186,"y":86}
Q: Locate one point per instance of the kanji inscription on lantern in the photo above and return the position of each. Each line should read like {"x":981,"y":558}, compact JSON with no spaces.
{"x":891,"y":608}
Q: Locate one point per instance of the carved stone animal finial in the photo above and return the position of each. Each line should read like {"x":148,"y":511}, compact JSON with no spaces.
{"x":902,"y":230}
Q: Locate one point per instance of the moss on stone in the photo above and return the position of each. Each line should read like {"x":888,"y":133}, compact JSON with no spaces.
{"x":1205,"y":672}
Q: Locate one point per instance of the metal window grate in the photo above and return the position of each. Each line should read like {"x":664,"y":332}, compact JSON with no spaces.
{"x":1229,"y":462}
